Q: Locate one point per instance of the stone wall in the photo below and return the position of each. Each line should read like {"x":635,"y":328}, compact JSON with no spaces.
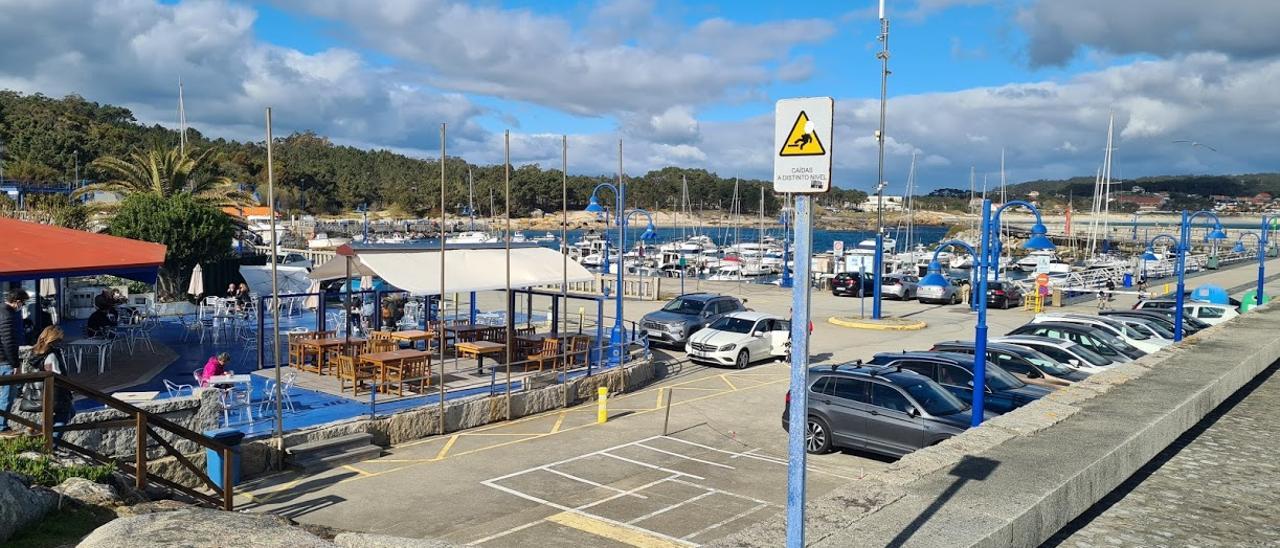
{"x":1019,"y":478}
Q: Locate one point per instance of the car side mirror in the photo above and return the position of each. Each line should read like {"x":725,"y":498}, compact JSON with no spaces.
{"x":913,"y":412}
{"x":1033,"y":374}
{"x":757,"y":334}
{"x":1074,"y":362}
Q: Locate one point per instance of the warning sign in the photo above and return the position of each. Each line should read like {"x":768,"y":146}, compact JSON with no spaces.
{"x":803,"y":139}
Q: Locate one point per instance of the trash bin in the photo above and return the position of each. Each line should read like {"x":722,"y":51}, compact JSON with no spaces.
{"x":1057,"y":298}
{"x":1213,"y":263}
{"x":1246,"y":302}
{"x":213,"y":459}
{"x":1128,"y":280}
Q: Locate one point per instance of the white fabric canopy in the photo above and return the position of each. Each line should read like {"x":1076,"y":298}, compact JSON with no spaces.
{"x":418,"y":272}
{"x":293,"y":279}
{"x":336,"y":268}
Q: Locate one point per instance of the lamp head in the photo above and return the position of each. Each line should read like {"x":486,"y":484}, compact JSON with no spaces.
{"x":934,"y":278}
{"x":1239,"y":248}
{"x":1149,"y":255}
{"x":594,"y":205}
{"x":649,"y":232}
{"x":1038,"y":239}
{"x":1217,"y":233}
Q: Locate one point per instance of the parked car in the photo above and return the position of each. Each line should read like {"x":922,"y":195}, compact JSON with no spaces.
{"x":685,"y":315}
{"x":898,"y":286}
{"x":740,"y":338}
{"x":1116,"y":328}
{"x":1190,"y":326}
{"x":1090,"y":337}
{"x":1001,"y":294}
{"x":1210,"y":313}
{"x":852,"y":284}
{"x":877,"y":409}
{"x":1062,"y":351}
{"x":937,"y":294}
{"x":1004,"y":392}
{"x":295,"y":259}
{"x":1026,"y":364}
{"x":1148,"y":326}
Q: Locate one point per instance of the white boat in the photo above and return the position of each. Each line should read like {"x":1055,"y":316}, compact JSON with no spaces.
{"x":1043,"y":260}
{"x":1107,"y":260}
{"x":472,"y":237}
{"x":261,"y":226}
{"x":323,"y":241}
{"x":548,"y":237}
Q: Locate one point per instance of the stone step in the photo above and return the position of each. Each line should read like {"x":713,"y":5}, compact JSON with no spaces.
{"x":312,"y":463}
{"x":331,"y":446}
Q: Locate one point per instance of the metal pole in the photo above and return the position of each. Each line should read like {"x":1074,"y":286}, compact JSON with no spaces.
{"x":275,"y":294}
{"x":798,"y":413}
{"x":1184,"y":237}
{"x":510,"y":327}
{"x":883,"y":55}
{"x":564,"y":256}
{"x":618,"y":333}
{"x":439,"y":315}
{"x":980,"y":331}
{"x":1262,"y":262}
{"x":786,"y":281}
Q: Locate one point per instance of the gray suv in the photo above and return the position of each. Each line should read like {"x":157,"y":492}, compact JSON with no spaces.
{"x":877,"y":409}
{"x":685,"y":315}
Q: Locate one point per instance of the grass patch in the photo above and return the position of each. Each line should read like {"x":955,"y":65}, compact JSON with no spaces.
{"x":45,"y":470}
{"x":61,"y":528}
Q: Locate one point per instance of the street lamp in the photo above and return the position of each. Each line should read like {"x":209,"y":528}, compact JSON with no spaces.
{"x":1183,"y":247}
{"x":593,"y":206}
{"x":1262,"y":238}
{"x":933,"y":276}
{"x":990,"y":235}
{"x":618,"y":334}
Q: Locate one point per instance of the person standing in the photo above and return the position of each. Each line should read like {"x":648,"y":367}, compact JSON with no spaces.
{"x":47,"y":355}
{"x":10,"y":338}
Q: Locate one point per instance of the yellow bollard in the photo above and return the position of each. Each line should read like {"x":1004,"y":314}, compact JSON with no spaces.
{"x":1166,"y":290}
{"x":602,"y":400}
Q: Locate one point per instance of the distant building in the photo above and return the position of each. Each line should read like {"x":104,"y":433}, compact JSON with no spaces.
{"x":1261,"y":198}
{"x":536,"y":213}
{"x":1145,"y":202}
{"x":891,"y":203}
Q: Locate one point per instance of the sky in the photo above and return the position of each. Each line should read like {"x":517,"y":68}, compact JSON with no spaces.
{"x":691,"y":84}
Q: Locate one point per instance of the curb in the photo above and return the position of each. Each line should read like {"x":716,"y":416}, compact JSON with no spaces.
{"x":884,"y":324}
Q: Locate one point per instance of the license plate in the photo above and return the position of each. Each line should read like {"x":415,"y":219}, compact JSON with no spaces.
{"x":655,"y":333}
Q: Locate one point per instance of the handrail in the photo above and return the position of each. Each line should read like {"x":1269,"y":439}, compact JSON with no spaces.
{"x":145,"y":424}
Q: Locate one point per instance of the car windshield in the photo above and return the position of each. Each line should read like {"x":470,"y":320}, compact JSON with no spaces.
{"x":1000,"y":379}
{"x":1158,"y":329}
{"x":684,"y":306}
{"x":1090,"y":356}
{"x":1046,"y":364}
{"x":1114,"y":341}
{"x":936,"y":400}
{"x":733,"y":325}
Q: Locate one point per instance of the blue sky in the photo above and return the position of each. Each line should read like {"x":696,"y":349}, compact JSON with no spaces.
{"x":688,"y":83}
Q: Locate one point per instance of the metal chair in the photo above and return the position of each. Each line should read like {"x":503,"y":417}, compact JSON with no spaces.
{"x":175,"y":390}
{"x":287,"y":382}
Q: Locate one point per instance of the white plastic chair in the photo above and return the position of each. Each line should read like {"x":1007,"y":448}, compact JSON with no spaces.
{"x":175,"y":389}
{"x":288,"y":379}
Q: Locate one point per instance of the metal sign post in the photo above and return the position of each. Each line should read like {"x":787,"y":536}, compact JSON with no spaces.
{"x":802,"y":137}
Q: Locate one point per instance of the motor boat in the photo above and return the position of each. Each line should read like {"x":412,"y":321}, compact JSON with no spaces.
{"x":1043,"y":260}
{"x":324,"y":241}
{"x":472,"y":237}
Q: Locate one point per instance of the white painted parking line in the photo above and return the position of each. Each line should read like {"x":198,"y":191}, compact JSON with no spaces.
{"x":653,"y":466}
{"x":589,"y":482}
{"x":686,"y":457}
{"x":671,"y":507}
{"x":722,"y":523}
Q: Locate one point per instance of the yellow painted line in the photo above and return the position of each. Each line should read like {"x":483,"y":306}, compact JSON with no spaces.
{"x":659,"y":403}
{"x":887,"y":324}
{"x":559,"y":421}
{"x":625,"y":535}
{"x":489,"y":434}
{"x":726,"y":380}
{"x":356,"y":470}
{"x":447,"y":446}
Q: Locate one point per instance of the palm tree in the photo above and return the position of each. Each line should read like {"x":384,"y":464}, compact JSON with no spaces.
{"x":165,"y":171}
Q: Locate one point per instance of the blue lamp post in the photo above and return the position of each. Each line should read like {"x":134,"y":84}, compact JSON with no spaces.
{"x":1184,"y":246}
{"x":988,"y":254}
{"x":933,"y":276}
{"x":1262,"y":257}
{"x":594,"y":207}
{"x":618,"y":334}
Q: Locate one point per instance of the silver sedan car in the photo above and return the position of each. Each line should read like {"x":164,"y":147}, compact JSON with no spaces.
{"x":937,"y":294}
{"x":898,"y":286}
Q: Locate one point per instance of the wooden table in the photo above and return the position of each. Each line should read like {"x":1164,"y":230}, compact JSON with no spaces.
{"x":321,"y":346}
{"x":413,"y":336}
{"x":478,"y":350}
{"x":382,"y":359}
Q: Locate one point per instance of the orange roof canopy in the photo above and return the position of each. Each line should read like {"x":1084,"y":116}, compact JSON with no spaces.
{"x":30,"y":251}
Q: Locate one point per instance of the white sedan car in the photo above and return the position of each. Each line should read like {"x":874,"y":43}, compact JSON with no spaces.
{"x":739,"y":338}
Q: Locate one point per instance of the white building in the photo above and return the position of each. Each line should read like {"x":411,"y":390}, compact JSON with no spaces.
{"x":891,"y":203}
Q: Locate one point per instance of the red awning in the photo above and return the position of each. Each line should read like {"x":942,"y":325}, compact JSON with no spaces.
{"x":30,"y":251}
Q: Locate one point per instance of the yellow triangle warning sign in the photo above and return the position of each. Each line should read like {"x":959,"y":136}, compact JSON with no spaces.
{"x":802,"y":140}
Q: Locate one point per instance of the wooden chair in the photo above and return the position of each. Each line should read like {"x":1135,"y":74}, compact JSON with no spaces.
{"x":577,"y":353}
{"x":525,"y":331}
{"x":380,"y":336}
{"x":494,"y":334}
{"x":317,"y":335}
{"x":298,"y":353}
{"x":410,"y":371}
{"x":351,"y":370}
{"x":375,"y":345}
{"x":549,"y":353}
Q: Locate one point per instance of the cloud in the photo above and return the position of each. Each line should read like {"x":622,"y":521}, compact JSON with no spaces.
{"x":132,"y":53}
{"x":627,"y":60}
{"x":1057,"y":30}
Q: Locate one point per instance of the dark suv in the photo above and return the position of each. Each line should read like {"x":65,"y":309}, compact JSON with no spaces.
{"x":686,"y":314}
{"x":1001,"y":294}
{"x":1026,"y":364}
{"x":877,"y":409}
{"x":1004,"y":392}
{"x":852,"y":284}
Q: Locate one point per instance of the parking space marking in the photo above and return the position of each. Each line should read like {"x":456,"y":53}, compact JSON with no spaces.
{"x":587,"y":517}
{"x":447,"y":446}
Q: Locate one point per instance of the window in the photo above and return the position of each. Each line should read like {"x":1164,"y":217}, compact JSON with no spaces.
{"x":781,"y":325}
{"x":888,"y":397}
{"x":1012,"y":364}
{"x":725,"y":306}
{"x":954,"y":376}
{"x":923,"y":368}
{"x":1210,"y":312}
{"x":823,"y":386}
{"x":849,"y":389}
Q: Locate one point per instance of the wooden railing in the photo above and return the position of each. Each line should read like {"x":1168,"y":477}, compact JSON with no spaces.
{"x":146,"y":425}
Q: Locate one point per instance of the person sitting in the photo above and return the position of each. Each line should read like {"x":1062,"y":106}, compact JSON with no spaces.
{"x":232,"y":290}
{"x":217,"y":365}
{"x":100,"y":325}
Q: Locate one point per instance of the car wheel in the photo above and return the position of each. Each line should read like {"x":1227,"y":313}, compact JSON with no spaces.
{"x":955,"y":298}
{"x":817,"y":436}
{"x":743,"y":360}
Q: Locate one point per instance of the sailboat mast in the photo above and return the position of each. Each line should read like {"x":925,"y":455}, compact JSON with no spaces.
{"x":182,"y":122}
{"x":1106,"y":170}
